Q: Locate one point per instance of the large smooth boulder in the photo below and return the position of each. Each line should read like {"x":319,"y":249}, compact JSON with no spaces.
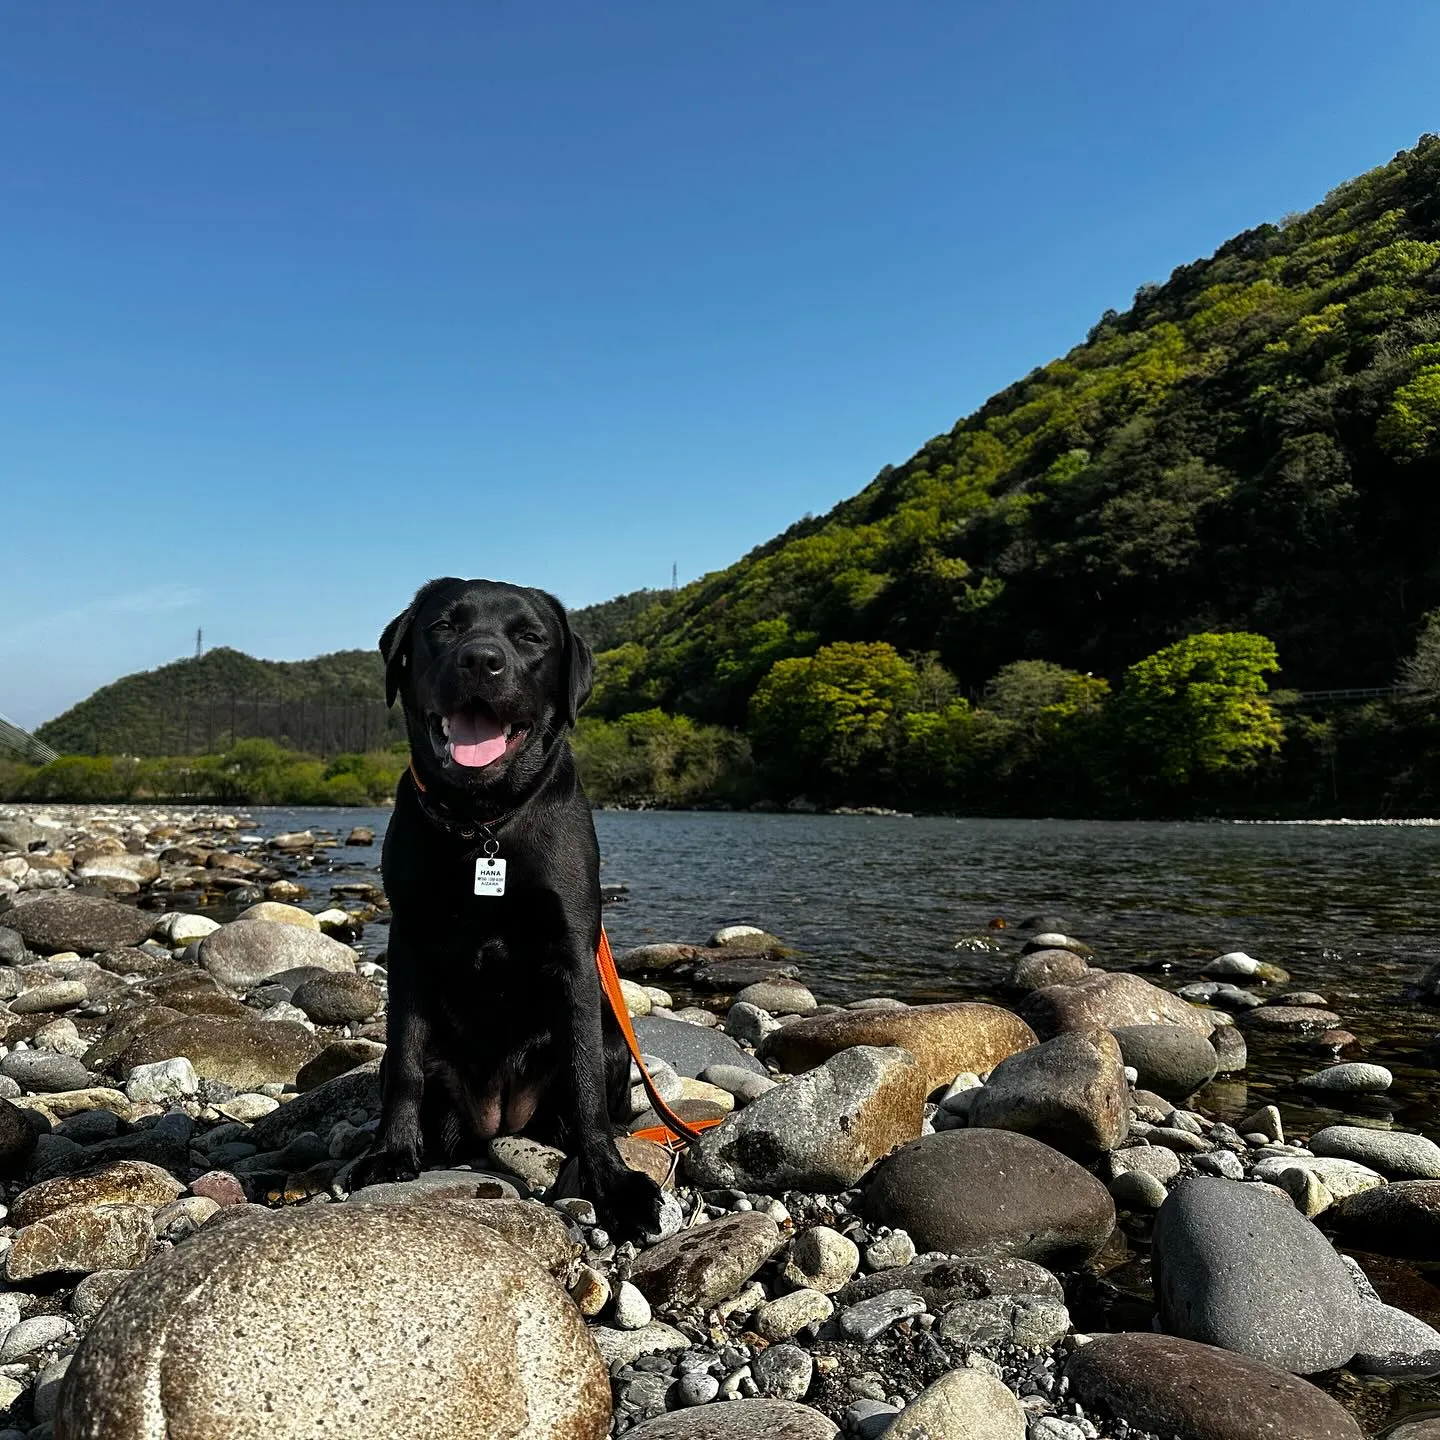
{"x":688,"y":1049}
{"x":944,"y":1039}
{"x":1187,"y":1391}
{"x":992,"y":1192}
{"x":84,"y":923}
{"x":739,"y":1420}
{"x":822,"y":1131}
{"x":1069,"y":1092}
{"x":1237,"y":1266}
{"x":1109,"y":1002}
{"x":1169,"y":1060}
{"x":238,"y":1052}
{"x":415,"y":1320}
{"x":246,"y":953}
{"x":707,"y":1264}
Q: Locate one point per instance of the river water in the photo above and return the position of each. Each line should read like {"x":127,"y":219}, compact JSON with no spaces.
{"x":877,"y":905}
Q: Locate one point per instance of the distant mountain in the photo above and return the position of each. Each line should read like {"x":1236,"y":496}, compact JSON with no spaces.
{"x":1254,"y":444}
{"x":333,"y":702}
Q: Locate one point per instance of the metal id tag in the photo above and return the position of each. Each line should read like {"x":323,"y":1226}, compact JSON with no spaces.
{"x":489,"y":875}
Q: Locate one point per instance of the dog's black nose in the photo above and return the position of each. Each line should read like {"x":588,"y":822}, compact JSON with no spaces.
{"x":483,"y":656}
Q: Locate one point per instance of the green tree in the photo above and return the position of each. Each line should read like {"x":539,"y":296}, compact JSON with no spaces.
{"x":828,"y":719}
{"x":1419,"y":674}
{"x":1044,"y":697}
{"x":1198,"y":708}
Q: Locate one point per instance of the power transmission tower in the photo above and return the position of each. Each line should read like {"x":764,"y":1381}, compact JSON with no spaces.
{"x":674,"y":574}
{"x":199,"y":642}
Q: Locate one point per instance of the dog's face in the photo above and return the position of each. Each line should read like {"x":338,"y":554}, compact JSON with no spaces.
{"x":490,"y":676}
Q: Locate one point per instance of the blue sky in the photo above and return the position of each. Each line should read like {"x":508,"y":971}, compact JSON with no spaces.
{"x":305,"y":303}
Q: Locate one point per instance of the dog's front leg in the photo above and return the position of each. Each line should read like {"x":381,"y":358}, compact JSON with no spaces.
{"x":399,"y":1145}
{"x":627,"y":1202}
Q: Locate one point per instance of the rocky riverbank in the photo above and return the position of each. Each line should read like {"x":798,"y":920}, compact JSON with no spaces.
{"x":950,"y":1221}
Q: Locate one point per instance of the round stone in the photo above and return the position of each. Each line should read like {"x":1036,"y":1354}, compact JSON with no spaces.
{"x":1237,"y":1267}
{"x":313,"y":1309}
{"x":1168,"y":1059}
{"x":822,"y":1259}
{"x":1394,"y":1153}
{"x":1021,"y":1198}
{"x":944,"y":1039}
{"x":1176,"y":1387}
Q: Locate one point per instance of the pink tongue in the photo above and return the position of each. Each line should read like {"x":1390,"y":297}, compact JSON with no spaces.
{"x":475,"y":740}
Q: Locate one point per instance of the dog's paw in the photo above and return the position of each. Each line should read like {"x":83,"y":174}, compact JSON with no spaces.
{"x":631,"y":1206}
{"x":386,"y":1163}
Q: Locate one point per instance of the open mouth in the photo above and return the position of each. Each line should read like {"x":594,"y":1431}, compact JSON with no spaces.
{"x":475,"y":736}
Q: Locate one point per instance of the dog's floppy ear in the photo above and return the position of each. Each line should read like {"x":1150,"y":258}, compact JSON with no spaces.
{"x":579,"y":676}
{"x":395,"y":639}
{"x":579,"y":672}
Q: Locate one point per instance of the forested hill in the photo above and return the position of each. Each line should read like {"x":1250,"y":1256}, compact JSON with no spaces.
{"x":224,"y":695}
{"x":215,"y":697}
{"x":1254,"y":444}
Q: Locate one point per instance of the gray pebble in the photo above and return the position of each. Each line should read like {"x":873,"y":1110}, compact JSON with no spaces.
{"x":863,"y":1322}
{"x":696,"y":1389}
{"x":34,"y":1334}
{"x":631,"y":1308}
{"x":783,"y":1372}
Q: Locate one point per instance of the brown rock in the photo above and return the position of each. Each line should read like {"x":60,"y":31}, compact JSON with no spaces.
{"x":85,"y":923}
{"x":80,"y":1239}
{"x":128,"y":1182}
{"x":1105,"y":1001}
{"x":1196,"y":1392}
{"x":237,"y":1052}
{"x":220,"y":1186}
{"x":648,"y":1158}
{"x":341,"y":1320}
{"x":991,"y":1192}
{"x":944,"y":1039}
{"x":125,"y":1028}
{"x":337,"y":1058}
{"x":705,"y":1265}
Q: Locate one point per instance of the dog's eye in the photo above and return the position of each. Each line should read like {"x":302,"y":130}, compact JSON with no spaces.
{"x":531,"y":638}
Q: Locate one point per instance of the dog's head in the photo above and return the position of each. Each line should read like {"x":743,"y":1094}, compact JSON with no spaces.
{"x":490,"y":676}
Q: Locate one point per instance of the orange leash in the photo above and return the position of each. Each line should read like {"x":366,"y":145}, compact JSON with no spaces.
{"x":675,"y":1133}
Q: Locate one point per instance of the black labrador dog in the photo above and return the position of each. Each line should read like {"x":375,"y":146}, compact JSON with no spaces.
{"x":497,"y":1021}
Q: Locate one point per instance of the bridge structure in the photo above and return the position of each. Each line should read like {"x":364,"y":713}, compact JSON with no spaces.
{"x":18,"y":744}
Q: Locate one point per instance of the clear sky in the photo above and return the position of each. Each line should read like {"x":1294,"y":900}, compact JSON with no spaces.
{"x":305,"y":303}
